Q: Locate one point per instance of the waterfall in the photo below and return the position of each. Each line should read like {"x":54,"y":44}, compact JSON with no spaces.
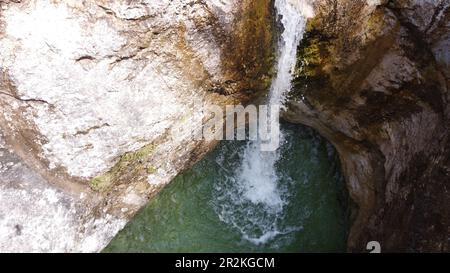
{"x":293,"y":15}
{"x":252,"y":199}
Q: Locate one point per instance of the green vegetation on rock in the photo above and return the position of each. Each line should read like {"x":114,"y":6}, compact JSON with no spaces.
{"x":129,"y":163}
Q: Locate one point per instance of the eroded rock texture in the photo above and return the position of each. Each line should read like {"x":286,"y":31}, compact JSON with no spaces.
{"x":95,"y":97}
{"x":373,"y":78}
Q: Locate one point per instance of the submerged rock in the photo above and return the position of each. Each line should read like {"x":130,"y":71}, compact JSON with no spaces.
{"x":96,"y":99}
{"x":373,"y":78}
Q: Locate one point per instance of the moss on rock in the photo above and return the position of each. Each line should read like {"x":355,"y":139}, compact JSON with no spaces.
{"x":312,"y":57}
{"x":130,"y":164}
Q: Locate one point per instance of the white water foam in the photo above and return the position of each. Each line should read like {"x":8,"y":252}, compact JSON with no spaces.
{"x":252,"y":200}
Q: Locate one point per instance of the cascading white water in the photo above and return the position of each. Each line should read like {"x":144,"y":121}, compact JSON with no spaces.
{"x":293,"y":15}
{"x":252,"y":199}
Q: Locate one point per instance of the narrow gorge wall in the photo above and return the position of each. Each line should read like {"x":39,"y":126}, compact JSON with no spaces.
{"x":373,"y":78}
{"x":95,"y":97}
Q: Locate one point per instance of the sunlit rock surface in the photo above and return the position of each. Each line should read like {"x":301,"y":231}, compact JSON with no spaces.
{"x":96,"y":98}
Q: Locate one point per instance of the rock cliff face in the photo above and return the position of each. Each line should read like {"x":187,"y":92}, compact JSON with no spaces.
{"x":373,"y":77}
{"x":96,"y":97}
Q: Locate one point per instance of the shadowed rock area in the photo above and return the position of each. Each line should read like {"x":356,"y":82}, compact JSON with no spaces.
{"x":373,"y":78}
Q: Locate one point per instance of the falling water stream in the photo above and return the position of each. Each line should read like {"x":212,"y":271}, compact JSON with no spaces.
{"x":241,"y":199}
{"x":257,"y":179}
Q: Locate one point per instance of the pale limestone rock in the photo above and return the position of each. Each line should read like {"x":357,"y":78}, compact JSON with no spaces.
{"x":85,"y":82}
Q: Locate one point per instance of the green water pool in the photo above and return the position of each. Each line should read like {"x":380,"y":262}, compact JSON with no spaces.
{"x":206,"y":209}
